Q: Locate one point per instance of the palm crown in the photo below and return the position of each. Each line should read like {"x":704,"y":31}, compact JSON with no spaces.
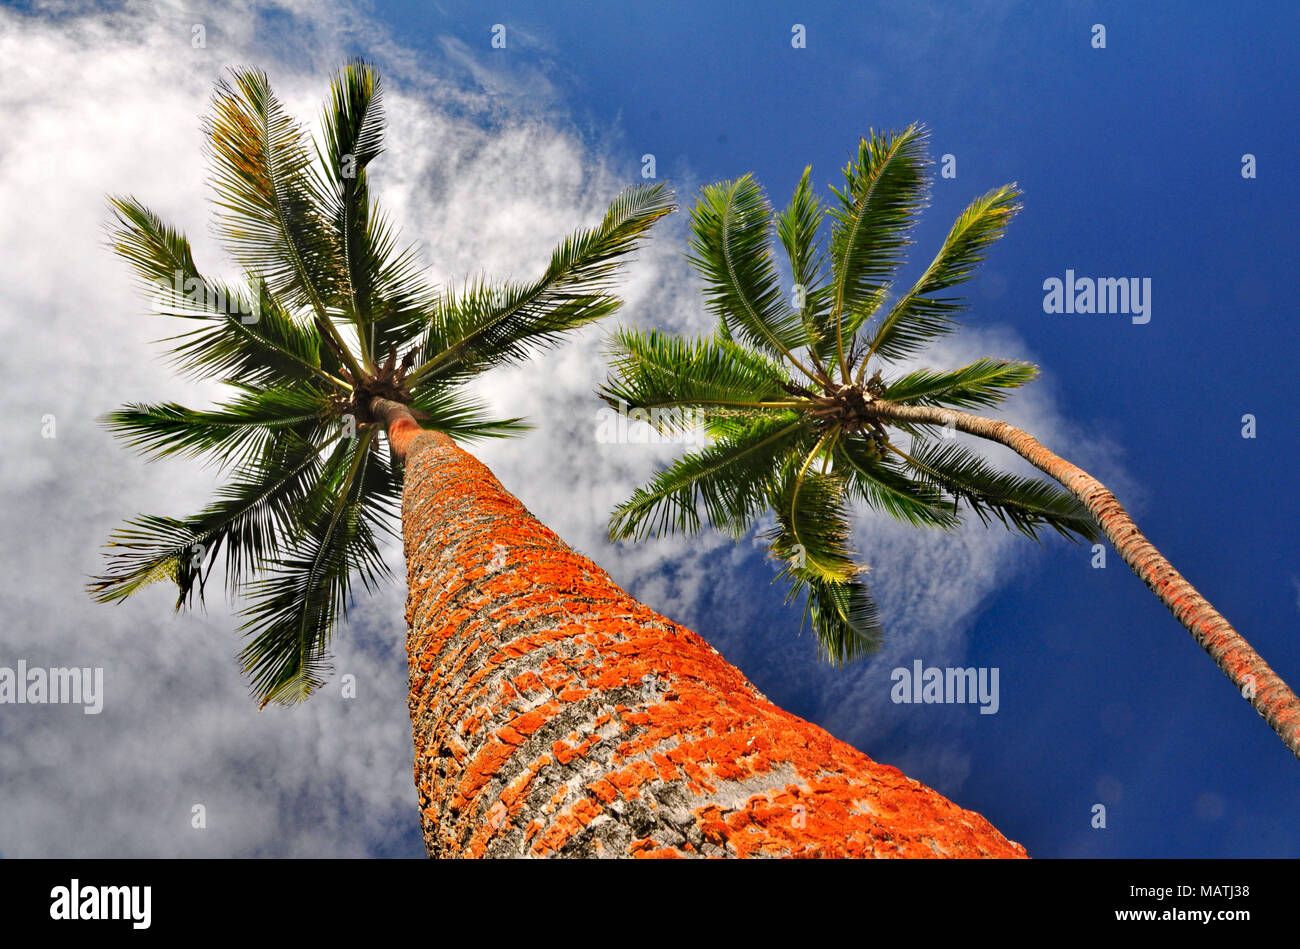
{"x":783,"y":387}
{"x":333,"y":315}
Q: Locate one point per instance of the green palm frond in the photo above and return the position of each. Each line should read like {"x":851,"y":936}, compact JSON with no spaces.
{"x":1022,"y":503}
{"x":159,"y":254}
{"x":886,"y":488}
{"x":655,"y":370}
{"x":797,"y":227}
{"x":811,"y":538}
{"x":732,"y":249}
{"x":884,"y":190}
{"x":921,"y":316}
{"x":813,"y":517}
{"x":147,"y":550}
{"x":253,"y":515}
{"x":244,"y":335}
{"x":232,"y":433}
{"x":273,"y":223}
{"x":726,"y":484}
{"x":489,"y":325}
{"x":305,"y":592}
{"x":376,"y":286}
{"x":273,"y":349}
{"x":842,"y":615}
{"x":983,"y":383}
{"x":353,"y":137}
{"x":452,"y":412}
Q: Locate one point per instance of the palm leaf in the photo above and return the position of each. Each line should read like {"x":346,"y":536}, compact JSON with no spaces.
{"x":273,"y":222}
{"x":230,"y":434}
{"x":796,"y":228}
{"x":842,"y":615}
{"x":377,"y":287}
{"x":244,"y":336}
{"x":884,"y":190}
{"x":811,"y":538}
{"x":272,"y":350}
{"x":657,"y":370}
{"x":254,"y":514}
{"x":447,"y":410}
{"x":921,"y":316}
{"x":729,"y":481}
{"x":983,"y":383}
{"x":494,"y":325}
{"x":1021,"y":503}
{"x":812,"y":516}
{"x":887,"y":489}
{"x":731,"y":248}
{"x":293,"y":610}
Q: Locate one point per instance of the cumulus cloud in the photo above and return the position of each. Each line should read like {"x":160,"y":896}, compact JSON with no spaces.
{"x":485,"y":174}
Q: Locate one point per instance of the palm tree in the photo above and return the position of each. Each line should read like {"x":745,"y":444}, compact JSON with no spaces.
{"x":803,"y":420}
{"x":551,"y":713}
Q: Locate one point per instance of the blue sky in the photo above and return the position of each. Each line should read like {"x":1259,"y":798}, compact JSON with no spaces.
{"x":1130,"y":161}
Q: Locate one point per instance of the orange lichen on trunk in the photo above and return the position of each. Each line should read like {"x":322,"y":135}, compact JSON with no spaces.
{"x":554,"y":715}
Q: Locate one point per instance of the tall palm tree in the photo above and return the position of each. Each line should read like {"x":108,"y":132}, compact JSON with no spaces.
{"x":551,"y":713}
{"x":804,"y":420}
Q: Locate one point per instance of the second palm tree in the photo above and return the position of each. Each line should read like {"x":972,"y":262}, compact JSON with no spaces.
{"x":804,"y":421}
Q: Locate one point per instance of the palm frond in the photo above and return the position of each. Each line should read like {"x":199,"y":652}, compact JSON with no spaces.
{"x":811,"y":538}
{"x":247,"y":336}
{"x":729,"y":481}
{"x":921,"y":315}
{"x":981,"y":384}
{"x":272,"y":350}
{"x":1020,"y":503}
{"x":796,"y":228}
{"x":884,"y":190}
{"x":150,"y":549}
{"x":354,"y":136}
{"x":233,"y":433}
{"x":159,"y":254}
{"x":375,"y":285}
{"x":887,"y":489}
{"x":657,"y":370}
{"x":812,"y":516}
{"x":294,"y":608}
{"x":254,"y":514}
{"x":489,"y":325}
{"x":842,"y":615}
{"x":731,"y":248}
{"x":447,"y":410}
{"x":272,"y":223}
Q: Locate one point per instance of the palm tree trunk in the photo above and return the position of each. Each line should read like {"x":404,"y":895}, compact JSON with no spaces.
{"x":1265,"y":690}
{"x":554,"y":715}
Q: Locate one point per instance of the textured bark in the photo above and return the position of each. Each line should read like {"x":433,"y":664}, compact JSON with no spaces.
{"x":554,"y":715}
{"x":1272,"y":698}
